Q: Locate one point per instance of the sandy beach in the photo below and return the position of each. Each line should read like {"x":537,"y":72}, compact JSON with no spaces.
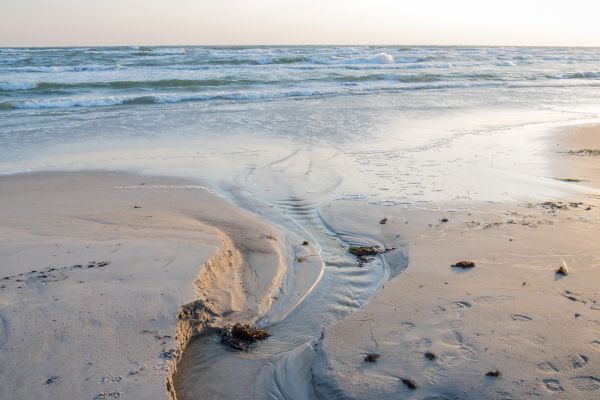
{"x":96,"y":266}
{"x":116,"y":286}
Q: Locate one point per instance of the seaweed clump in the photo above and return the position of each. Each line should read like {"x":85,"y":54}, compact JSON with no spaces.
{"x":412,"y":385}
{"x":241,"y":336}
{"x":586,"y":152}
{"x":365,"y":253}
{"x":464,"y":264}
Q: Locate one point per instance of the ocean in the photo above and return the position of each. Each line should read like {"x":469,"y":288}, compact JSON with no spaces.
{"x":216,"y":113}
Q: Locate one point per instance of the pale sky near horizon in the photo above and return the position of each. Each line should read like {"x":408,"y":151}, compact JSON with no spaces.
{"x":180,"y":22}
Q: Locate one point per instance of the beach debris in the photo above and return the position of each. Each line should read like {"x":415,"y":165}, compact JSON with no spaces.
{"x":412,"y":385}
{"x":137,"y":206}
{"x":383,"y":221}
{"x":365,"y":254}
{"x":51,"y":380}
{"x":240,"y":336}
{"x":563,"y":269}
{"x":554,"y":205}
{"x":365,"y":251}
{"x":108,"y":396}
{"x":168,"y":354}
{"x":372,"y":357}
{"x":574,"y":180}
{"x":571,"y":296}
{"x":430,"y":355}
{"x":50,"y":275}
{"x":305,"y":243}
{"x":494,"y":374}
{"x":464,"y":264}
{"x":585,"y":152}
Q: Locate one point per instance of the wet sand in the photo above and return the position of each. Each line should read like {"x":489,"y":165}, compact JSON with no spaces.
{"x":509,"y":328}
{"x":98,"y":265}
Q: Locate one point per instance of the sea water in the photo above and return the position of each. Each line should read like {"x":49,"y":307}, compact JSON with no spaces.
{"x":393,"y":123}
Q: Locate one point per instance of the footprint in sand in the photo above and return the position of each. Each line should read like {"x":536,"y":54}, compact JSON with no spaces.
{"x":547,"y":367}
{"x":577,"y":361}
{"x":503,"y":396}
{"x":553,"y":385}
{"x":469,"y":352}
{"x":452,"y":338}
{"x":522,"y":318}
{"x":450,"y":358}
{"x":422,"y":344}
{"x":435,"y":374}
{"x":585,"y":383}
{"x":407,"y":325}
{"x":454,"y":306}
{"x":463,"y":350}
{"x":493,"y":299}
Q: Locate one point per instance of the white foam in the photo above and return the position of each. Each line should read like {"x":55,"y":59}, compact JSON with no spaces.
{"x":17,"y":85}
{"x":383,"y":58}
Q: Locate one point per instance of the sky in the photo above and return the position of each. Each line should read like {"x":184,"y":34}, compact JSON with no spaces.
{"x":235,"y":22}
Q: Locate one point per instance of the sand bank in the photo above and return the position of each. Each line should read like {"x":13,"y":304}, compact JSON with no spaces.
{"x":95,"y":267}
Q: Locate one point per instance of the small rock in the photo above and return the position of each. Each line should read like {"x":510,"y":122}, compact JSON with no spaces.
{"x":410,"y":383}
{"x":51,"y":380}
{"x":563,"y":270}
{"x":372,"y":357}
{"x":430,"y":356}
{"x":444,"y":220}
{"x":305,"y":243}
{"x":383,"y":221}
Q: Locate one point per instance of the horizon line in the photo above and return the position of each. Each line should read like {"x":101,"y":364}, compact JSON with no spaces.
{"x":293,"y":45}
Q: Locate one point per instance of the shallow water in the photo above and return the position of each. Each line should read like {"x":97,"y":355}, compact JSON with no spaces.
{"x":403,"y":123}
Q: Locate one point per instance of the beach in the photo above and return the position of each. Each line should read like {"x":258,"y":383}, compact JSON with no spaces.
{"x":389,"y":222}
{"x":100,"y":263}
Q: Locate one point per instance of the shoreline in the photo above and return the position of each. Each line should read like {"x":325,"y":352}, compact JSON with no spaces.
{"x":490,"y":234}
{"x":512,"y":318}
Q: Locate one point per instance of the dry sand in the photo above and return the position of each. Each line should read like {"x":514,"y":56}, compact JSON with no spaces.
{"x":96,"y":265}
{"x":75,"y":327}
